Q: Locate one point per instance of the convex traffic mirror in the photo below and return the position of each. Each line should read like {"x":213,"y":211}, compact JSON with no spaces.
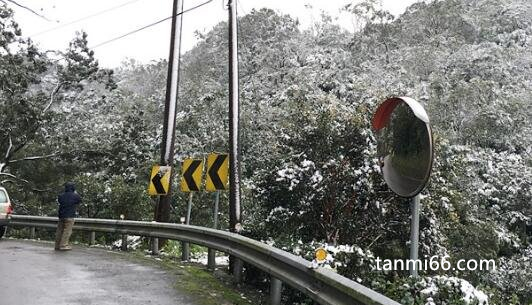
{"x":404,"y":145}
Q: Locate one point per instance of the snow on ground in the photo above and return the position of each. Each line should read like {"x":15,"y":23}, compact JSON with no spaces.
{"x":470,"y":295}
{"x":133,"y":242}
{"x":202,"y":258}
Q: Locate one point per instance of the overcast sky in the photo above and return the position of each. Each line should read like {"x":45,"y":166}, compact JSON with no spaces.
{"x":106,"y":19}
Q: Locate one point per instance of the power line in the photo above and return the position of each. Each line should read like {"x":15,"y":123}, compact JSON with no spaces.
{"x":148,"y":26}
{"x":26,"y":8}
{"x":84,"y":18}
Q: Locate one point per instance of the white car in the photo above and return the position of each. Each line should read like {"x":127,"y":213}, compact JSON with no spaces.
{"x":5,"y":210}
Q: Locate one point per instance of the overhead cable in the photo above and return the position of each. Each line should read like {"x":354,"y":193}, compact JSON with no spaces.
{"x":26,"y":8}
{"x":148,"y":26}
{"x":83,"y":18}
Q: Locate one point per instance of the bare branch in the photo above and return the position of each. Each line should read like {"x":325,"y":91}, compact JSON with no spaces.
{"x":14,"y":177}
{"x":42,"y":191}
{"x":54,"y":92}
{"x":27,"y":182}
{"x":35,"y":158}
{"x":8,"y":175}
{"x":27,"y":8}
{"x":57,"y":154}
{"x":8,"y":152}
{"x":371,"y":244}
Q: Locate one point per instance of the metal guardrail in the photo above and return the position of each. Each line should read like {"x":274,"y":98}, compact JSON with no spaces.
{"x":322,"y":285}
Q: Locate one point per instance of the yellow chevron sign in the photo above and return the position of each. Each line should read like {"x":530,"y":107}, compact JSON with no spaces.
{"x":217,"y":172}
{"x":192,"y":171}
{"x":159,"y":180}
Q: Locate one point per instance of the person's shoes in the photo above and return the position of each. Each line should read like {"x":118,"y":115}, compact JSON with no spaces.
{"x":65,"y":248}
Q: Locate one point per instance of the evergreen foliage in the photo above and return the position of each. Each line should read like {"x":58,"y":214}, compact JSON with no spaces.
{"x":311,"y":176}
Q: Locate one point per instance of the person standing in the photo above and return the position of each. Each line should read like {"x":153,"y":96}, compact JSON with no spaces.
{"x":68,"y":203}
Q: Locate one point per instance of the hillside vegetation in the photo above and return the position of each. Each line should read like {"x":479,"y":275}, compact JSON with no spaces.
{"x":311,"y":176}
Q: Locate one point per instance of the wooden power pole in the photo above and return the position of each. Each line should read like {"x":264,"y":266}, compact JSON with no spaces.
{"x":234,"y":135}
{"x":162,"y":212}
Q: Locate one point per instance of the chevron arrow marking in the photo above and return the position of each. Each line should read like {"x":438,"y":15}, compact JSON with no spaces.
{"x":214,"y":174}
{"x":160,"y":180}
{"x":156,"y":180}
{"x":190,"y":174}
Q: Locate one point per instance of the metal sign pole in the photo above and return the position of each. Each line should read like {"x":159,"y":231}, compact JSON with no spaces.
{"x":414,"y":234}
{"x":216,"y":204}
{"x":185,"y":254}
{"x":212,"y":253}
{"x":189,"y":208}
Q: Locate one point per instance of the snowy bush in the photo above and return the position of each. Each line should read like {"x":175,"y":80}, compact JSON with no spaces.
{"x":133,"y":243}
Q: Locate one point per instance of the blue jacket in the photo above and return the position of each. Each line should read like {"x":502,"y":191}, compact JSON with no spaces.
{"x":68,"y":201}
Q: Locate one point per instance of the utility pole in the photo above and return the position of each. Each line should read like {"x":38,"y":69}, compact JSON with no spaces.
{"x":234,"y":136}
{"x":162,"y":212}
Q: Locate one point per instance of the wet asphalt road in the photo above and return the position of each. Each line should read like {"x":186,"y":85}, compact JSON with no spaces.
{"x":32,"y":273}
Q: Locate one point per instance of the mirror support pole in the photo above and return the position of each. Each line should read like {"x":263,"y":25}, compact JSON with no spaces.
{"x":414,"y":235}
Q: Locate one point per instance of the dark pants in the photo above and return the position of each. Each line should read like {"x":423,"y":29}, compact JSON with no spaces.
{"x":63,"y":232}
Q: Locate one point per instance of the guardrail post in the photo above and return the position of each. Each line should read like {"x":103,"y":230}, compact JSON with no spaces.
{"x":124,"y":243}
{"x":276,"y":286}
{"x":92,"y":238}
{"x":185,"y":251}
{"x":155,"y":246}
{"x":32,"y":233}
{"x":237,"y":270}
{"x":211,"y":259}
